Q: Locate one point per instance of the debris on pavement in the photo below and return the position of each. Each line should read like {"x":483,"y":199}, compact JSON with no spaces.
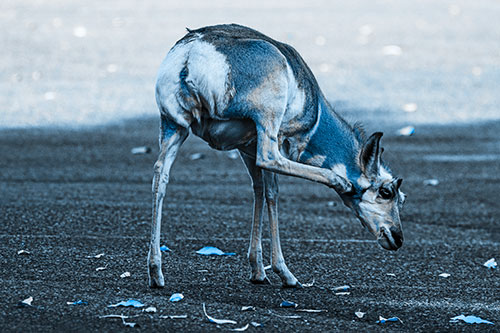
{"x":288,"y":304}
{"x":359,"y":314}
{"x":101,"y":268}
{"x":240,"y":329}
{"x":176,"y":297}
{"x":131,"y":302}
{"x":210,"y":250}
{"x":342,"y":288}
{"x":184,"y":316}
{"x":391,"y":274}
{"x":248,"y":308}
{"x":124,"y":275}
{"x":26,"y":302}
{"x":196,"y":156}
{"x":140,"y":150}
{"x":406,"y":131}
{"x":122,"y":317}
{"x":284,"y":316}
{"x":445,"y":275}
{"x":470,"y":320}
{"x":97,"y":256}
{"x":431,"y":182}
{"x":164,"y":248}
{"x":310,"y":284}
{"x":255,"y":324}
{"x":79,"y":302}
{"x":491,"y":263}
{"x":382,"y":320}
{"x":311,"y":310}
{"x":150,"y":309}
{"x":217,"y":321}
{"x":23,"y":252}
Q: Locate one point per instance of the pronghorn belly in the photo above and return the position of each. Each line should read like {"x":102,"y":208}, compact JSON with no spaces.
{"x":225,"y":134}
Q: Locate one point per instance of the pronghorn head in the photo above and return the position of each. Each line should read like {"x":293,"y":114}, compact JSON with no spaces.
{"x":375,"y":197}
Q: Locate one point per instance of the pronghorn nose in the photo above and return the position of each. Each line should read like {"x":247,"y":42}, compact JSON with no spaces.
{"x":397,"y":235}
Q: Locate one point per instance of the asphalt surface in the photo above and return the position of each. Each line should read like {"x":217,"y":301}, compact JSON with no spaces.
{"x":68,"y":194}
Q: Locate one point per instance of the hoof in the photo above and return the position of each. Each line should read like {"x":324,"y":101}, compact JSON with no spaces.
{"x":156,"y":283}
{"x":296,"y":285}
{"x":259,"y":281}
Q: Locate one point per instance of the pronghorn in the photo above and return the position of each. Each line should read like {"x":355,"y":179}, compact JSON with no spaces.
{"x":238,"y":89}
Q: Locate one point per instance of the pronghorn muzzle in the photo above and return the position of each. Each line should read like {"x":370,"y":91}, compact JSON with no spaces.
{"x":391,"y":239}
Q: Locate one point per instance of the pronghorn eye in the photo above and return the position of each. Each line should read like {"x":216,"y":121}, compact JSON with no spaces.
{"x":385,"y":193}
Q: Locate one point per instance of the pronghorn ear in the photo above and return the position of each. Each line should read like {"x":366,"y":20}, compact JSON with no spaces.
{"x":399,"y":181}
{"x":370,"y":155}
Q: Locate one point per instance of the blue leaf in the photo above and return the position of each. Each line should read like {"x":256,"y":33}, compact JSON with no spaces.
{"x":470,"y":320}
{"x":76,"y":302}
{"x":164,"y":248}
{"x":383,"y":320}
{"x":287,"y":304}
{"x":210,"y":250}
{"x":130,"y":302}
{"x":176,"y":297}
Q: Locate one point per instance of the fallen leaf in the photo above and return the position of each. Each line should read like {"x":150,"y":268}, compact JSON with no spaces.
{"x":150,"y":309}
{"x":343,"y":293}
{"x":97,"y":256}
{"x":130,"y":302}
{"x":391,"y":274}
{"x":124,"y":275}
{"x":248,"y":308}
{"x":382,"y":320}
{"x":174,"y":317}
{"x":240,"y":329}
{"x":164,"y":248}
{"x":311,"y":310}
{"x":307,"y":285}
{"x":445,"y":275}
{"x":342,"y":288}
{"x":210,"y":250}
{"x":470,"y":320}
{"x":255,"y":324}
{"x":24,"y":252}
{"x":100,"y":268}
{"x":360,"y":314}
{"x":176,"y":297}
{"x":491,"y":263}
{"x":217,"y":321}
{"x":288,"y":304}
{"x":26,"y":302}
{"x":79,"y":302}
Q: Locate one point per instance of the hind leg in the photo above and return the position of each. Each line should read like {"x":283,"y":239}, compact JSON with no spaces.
{"x":258,"y":274}
{"x":171,"y":138}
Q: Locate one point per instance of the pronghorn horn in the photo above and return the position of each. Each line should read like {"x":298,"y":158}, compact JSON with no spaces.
{"x":370,"y":155}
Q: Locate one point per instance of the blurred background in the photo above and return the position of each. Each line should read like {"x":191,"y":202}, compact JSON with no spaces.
{"x":79,"y":63}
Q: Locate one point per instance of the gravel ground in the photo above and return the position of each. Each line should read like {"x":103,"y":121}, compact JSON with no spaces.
{"x":71,"y":194}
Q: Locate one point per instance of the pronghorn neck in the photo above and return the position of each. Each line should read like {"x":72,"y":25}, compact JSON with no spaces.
{"x":333,"y":144}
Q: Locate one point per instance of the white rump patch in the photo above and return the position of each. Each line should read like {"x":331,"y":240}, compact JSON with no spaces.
{"x":295,"y":99}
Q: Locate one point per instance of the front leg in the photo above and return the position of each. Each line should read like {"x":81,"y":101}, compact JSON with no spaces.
{"x":171,"y":138}
{"x":277,"y":259}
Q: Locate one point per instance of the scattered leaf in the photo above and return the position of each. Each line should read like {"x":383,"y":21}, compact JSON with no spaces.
{"x":164,"y":248}
{"x":79,"y":302}
{"x":210,"y":250}
{"x":140,"y":150}
{"x":217,"y":321}
{"x":124,"y":275}
{"x":343,"y":293}
{"x":382,"y":320}
{"x":470,"y":320}
{"x":491,"y":263}
{"x":248,"y":308}
{"x":130,"y":302}
{"x":310,"y":284}
{"x":406,"y":131}
{"x":288,"y":304}
{"x":255,"y":324}
{"x":100,"y":268}
{"x":26,"y":302}
{"x":360,"y":314}
{"x":391,"y":274}
{"x":150,"y":309}
{"x":97,"y":256}
{"x":196,"y":156}
{"x":445,"y":275}
{"x":431,"y":182}
{"x":176,"y":297}
{"x":311,"y":310}
{"x":174,"y":317}
{"x":342,"y":288}
{"x":23,"y":252}
{"x":240,"y":329}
